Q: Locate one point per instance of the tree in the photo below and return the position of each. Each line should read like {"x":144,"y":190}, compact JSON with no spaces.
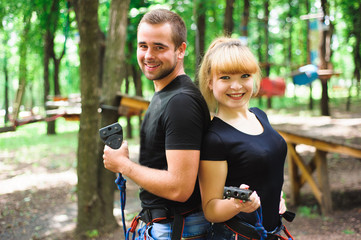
{"x":228,"y":18}
{"x":95,"y":183}
{"x":90,"y":215}
{"x":199,"y":11}
{"x":6,"y":77}
{"x":23,"y":49}
{"x":351,"y":12}
{"x":51,"y":18}
{"x":245,"y":18}
{"x":325,"y":53}
{"x":113,"y":75}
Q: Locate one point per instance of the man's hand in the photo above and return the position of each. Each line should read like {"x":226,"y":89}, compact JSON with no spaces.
{"x":116,"y":160}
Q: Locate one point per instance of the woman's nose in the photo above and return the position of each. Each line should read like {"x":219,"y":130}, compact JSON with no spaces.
{"x":236,"y":85}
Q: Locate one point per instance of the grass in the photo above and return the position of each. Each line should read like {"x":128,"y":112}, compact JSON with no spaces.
{"x":30,"y":144}
{"x":34,"y":134}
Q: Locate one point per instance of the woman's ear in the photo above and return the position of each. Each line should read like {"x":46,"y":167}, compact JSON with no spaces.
{"x":210,"y":84}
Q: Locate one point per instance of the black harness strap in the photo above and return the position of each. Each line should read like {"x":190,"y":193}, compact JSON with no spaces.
{"x":248,"y":231}
{"x":178,"y":225}
{"x":240,"y":228}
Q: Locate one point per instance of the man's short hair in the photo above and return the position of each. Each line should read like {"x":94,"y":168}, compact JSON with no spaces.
{"x":160,"y":16}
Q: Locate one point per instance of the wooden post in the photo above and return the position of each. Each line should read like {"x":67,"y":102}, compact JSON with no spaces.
{"x":293,"y":173}
{"x":322,"y":174}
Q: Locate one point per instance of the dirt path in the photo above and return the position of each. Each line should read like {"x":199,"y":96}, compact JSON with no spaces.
{"x":47,"y":210}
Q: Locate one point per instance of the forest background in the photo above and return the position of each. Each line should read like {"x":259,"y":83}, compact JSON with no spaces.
{"x":87,"y":49}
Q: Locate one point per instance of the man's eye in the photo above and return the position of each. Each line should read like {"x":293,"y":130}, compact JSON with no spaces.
{"x":159,"y":48}
{"x":245,"y":75}
{"x":142,"y":46}
{"x":224,"y":77}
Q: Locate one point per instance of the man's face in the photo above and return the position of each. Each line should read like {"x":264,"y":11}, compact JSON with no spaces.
{"x":156,"y":52}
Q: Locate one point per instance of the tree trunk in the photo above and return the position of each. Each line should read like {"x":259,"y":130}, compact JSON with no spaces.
{"x":200,"y":15}
{"x":245,"y":19}
{"x":90,"y":210}
{"x":22,"y":67}
{"x":113,"y":75}
{"x":325,"y":57}
{"x":228,"y":18}
{"x":6,"y":76}
{"x":357,"y":51}
{"x":267,"y":64}
{"x":52,"y":21}
{"x":48,"y":51}
{"x":129,"y":129}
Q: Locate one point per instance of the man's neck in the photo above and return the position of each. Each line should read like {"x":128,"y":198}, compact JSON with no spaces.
{"x":162,"y":83}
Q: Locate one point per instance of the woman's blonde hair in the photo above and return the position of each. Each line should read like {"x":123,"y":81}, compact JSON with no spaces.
{"x":226,"y":55}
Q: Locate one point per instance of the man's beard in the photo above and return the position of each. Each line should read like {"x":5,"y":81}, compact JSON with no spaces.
{"x":164,"y":73}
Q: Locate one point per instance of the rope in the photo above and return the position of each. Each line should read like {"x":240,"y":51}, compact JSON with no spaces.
{"x":121,"y":183}
{"x":259,"y":227}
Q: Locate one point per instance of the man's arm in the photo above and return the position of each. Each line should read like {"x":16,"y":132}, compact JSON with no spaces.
{"x":176,"y":184}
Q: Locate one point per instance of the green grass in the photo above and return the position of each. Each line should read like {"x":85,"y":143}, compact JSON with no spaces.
{"x":30,"y":144}
{"x":34,"y":134}
{"x":309,"y":212}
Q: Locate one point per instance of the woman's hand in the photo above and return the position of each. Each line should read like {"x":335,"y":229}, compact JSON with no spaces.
{"x":249,"y":206}
{"x":283,"y":207}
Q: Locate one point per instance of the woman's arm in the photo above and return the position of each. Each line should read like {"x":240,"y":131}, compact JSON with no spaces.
{"x":212,"y":177}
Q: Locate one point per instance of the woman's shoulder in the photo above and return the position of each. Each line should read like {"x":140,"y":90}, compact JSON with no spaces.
{"x":258,"y":111}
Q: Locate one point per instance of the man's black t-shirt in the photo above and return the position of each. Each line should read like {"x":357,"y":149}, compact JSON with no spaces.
{"x":255,"y":160}
{"x":177,"y":118}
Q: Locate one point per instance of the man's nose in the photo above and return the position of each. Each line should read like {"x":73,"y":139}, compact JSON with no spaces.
{"x":149,"y":54}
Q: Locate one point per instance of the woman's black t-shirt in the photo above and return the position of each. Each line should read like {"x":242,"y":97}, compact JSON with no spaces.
{"x":255,"y":160}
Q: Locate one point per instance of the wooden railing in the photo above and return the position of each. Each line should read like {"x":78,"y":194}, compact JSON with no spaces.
{"x":301,"y":172}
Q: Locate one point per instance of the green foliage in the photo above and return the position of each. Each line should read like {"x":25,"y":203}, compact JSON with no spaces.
{"x":93,"y":233}
{"x":349,"y":232}
{"x":284,"y":16}
{"x":309,"y":212}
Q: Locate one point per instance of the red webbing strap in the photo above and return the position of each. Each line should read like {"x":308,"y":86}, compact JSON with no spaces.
{"x":134,"y":224}
{"x":288,"y":234}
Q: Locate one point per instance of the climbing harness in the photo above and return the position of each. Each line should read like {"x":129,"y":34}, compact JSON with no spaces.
{"x":258,"y":231}
{"x":162,"y":215}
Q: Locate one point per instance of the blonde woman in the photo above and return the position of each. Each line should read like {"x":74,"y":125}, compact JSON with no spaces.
{"x":241,"y":149}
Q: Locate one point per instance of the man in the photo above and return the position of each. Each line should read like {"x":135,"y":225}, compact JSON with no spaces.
{"x":171,"y":134}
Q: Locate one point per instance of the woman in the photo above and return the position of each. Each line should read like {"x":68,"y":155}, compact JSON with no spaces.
{"x":241,"y":148}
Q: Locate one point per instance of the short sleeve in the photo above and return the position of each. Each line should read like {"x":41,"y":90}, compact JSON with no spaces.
{"x":213,"y":148}
{"x":184,"y":123}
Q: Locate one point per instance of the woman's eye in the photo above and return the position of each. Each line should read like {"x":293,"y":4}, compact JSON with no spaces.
{"x":245,"y":75}
{"x":224,"y":77}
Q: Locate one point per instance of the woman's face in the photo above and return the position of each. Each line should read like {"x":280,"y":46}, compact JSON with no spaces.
{"x":232,"y":91}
